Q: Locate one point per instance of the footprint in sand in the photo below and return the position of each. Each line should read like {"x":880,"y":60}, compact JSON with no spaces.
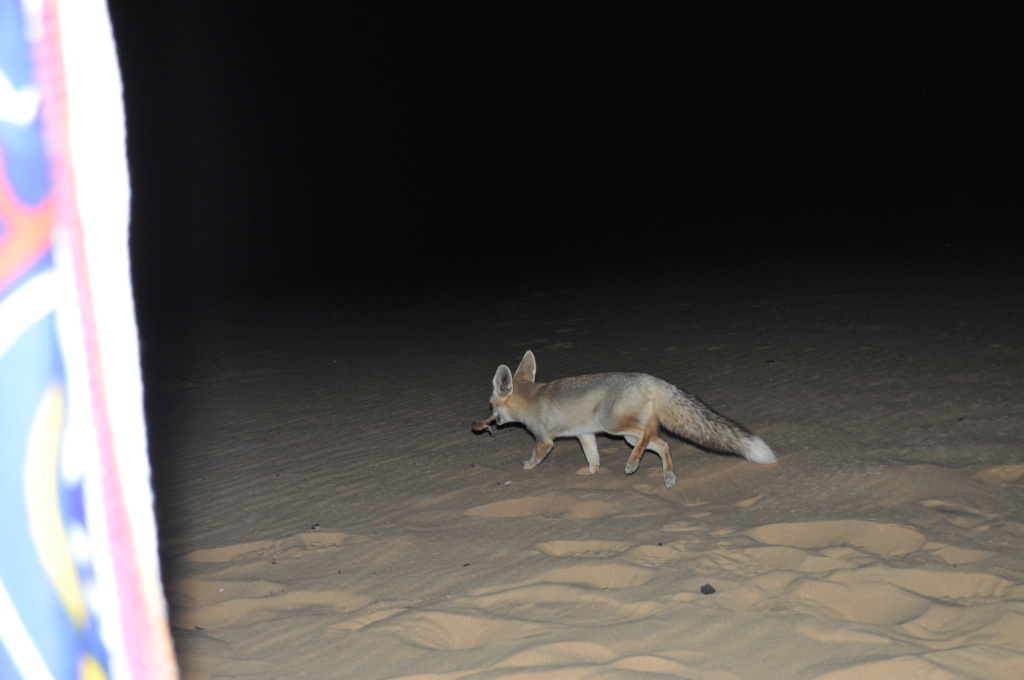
{"x":950,"y":554}
{"x":568,"y":504}
{"x":544,"y":506}
{"x":595,"y":574}
{"x":309,"y":541}
{"x":562,"y":604}
{"x":951,"y":587}
{"x":560,"y":654}
{"x":753,"y":561}
{"x":194,"y":592}
{"x":444,"y":631}
{"x":683,"y":525}
{"x":841,"y":570}
{"x":886,"y":595}
{"x":581,"y":659}
{"x":365,"y":620}
{"x":639,"y":555}
{"x":875,"y":603}
{"x":899,"y":667}
{"x":1003,"y":475}
{"x":943,"y":623}
{"x":875,"y":538}
{"x":249,"y":603}
{"x":657,"y":555}
{"x":959,"y":515}
{"x":205,"y":604}
{"x":583,"y":549}
{"x":202,"y":656}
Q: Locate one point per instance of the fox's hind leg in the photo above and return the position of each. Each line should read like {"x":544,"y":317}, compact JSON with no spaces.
{"x":660,"y":447}
{"x":641,"y":431}
{"x":651,"y":441}
{"x":540,"y":451}
{"x":639,"y":445}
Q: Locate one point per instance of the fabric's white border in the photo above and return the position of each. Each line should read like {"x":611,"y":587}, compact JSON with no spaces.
{"x":98,"y":159}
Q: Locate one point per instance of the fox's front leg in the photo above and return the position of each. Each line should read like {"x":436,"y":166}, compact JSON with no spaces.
{"x":589,"y":444}
{"x":540,"y":451}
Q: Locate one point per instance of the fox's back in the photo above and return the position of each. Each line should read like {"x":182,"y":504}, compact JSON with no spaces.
{"x":595,"y":385}
{"x":575,"y":404}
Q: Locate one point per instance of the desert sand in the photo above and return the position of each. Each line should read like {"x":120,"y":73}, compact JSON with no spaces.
{"x":326,"y":511}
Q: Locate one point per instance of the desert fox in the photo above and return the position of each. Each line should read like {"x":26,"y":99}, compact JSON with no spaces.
{"x":630,"y":405}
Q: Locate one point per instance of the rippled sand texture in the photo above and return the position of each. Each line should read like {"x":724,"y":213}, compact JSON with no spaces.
{"x":326,"y":511}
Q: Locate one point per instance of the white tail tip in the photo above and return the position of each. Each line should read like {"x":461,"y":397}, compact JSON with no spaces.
{"x":759,"y":452}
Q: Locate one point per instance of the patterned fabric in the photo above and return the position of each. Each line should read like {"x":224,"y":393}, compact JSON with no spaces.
{"x":80,"y":593}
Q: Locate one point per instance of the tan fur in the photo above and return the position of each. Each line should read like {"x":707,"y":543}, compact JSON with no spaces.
{"x":631,"y":405}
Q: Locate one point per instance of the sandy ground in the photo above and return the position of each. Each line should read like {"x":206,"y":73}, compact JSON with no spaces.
{"x":326,"y":511}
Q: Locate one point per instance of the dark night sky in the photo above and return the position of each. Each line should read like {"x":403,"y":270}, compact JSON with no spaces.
{"x":275,"y":144}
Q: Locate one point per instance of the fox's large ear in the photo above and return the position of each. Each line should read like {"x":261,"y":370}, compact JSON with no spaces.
{"x":503,"y":382}
{"x":527,"y":370}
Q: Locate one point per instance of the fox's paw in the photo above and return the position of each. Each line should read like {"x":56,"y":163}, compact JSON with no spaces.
{"x":670,"y":480}
{"x":529,"y":464}
{"x":631,"y":468}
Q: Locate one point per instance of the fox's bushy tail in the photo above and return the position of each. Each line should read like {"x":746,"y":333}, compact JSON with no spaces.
{"x":692,"y":419}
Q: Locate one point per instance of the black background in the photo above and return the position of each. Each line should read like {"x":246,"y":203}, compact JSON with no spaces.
{"x":279,"y":147}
